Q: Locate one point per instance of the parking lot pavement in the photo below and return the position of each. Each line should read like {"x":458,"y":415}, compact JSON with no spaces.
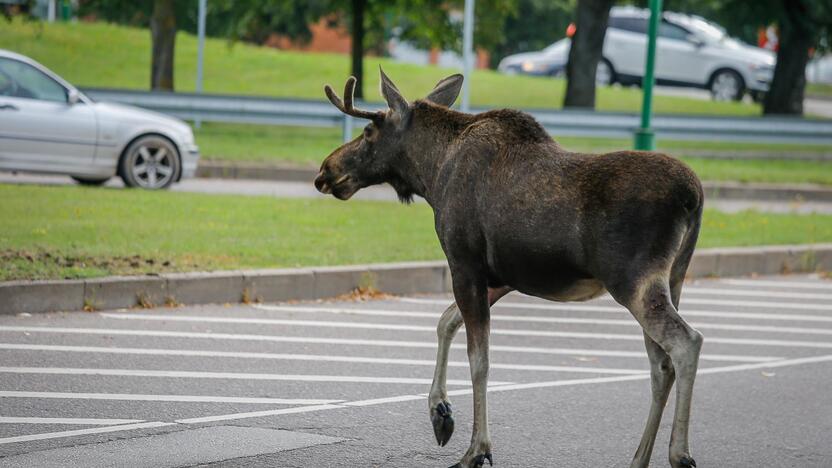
{"x":343,"y":383}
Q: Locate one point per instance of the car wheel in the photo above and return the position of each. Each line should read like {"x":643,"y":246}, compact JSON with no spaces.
{"x":150,"y":162}
{"x":604,"y":76}
{"x":727,"y":85}
{"x":90,"y":181}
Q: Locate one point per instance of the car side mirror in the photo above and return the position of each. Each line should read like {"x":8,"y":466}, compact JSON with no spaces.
{"x":72,"y":97}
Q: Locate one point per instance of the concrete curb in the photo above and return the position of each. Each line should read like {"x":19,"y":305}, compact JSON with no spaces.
{"x":318,"y":283}
{"x":722,"y":190}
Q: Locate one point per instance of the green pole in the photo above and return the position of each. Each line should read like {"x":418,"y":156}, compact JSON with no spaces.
{"x":644,"y":137}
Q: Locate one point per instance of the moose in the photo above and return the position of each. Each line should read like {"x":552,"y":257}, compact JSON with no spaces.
{"x":514,"y":211}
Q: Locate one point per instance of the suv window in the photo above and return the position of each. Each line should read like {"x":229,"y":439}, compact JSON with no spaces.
{"x":671,"y":31}
{"x":629,"y":23}
{"x":18,"y":79}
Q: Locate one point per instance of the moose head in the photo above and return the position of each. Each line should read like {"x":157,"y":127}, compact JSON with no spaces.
{"x":377,"y":154}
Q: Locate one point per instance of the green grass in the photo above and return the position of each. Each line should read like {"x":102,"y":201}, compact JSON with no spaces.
{"x":104,"y":55}
{"x":819,"y":89}
{"x":763,"y":171}
{"x":76,"y":232}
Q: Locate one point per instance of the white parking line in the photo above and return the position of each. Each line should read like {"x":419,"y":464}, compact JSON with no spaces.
{"x":97,"y":430}
{"x":306,"y":357}
{"x":631,"y":323}
{"x":225,"y":375}
{"x":578,"y":306}
{"x":494,"y":331}
{"x":177,"y":398}
{"x":258,"y":414}
{"x":78,"y":421}
{"x":573,"y":307}
{"x":512,"y":387}
{"x":817,"y":285}
{"x":362,"y":342}
{"x":756,"y":293}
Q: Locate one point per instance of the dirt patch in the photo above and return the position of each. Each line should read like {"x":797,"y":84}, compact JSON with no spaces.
{"x":34,"y":264}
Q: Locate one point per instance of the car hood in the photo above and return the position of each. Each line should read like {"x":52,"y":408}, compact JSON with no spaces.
{"x":520,"y":58}
{"x":749,"y":53}
{"x":123,"y":112}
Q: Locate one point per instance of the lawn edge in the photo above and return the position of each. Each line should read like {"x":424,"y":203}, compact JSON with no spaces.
{"x":292,"y":284}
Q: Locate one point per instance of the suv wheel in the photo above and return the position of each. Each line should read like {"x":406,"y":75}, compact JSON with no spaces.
{"x":727,"y":85}
{"x":150,"y":162}
{"x":604,"y":73}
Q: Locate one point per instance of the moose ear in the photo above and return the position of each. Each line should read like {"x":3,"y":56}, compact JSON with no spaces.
{"x":391,"y":94}
{"x":446,"y":91}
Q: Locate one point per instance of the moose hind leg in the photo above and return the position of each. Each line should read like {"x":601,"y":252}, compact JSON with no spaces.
{"x":662,"y":376}
{"x":654,"y":309}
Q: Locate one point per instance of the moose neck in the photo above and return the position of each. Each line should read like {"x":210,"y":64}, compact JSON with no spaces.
{"x":432,"y":130}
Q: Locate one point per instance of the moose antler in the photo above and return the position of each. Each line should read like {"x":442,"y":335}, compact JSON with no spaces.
{"x":346,"y":106}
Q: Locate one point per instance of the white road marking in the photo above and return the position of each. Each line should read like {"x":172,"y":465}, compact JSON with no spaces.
{"x":306,"y":357}
{"x":756,"y":293}
{"x":582,"y":306}
{"x":78,"y":432}
{"x":494,"y":331}
{"x":526,"y":318}
{"x":223,"y":375}
{"x":177,"y":398}
{"x":510,"y":387}
{"x":78,"y":421}
{"x":412,"y":344}
{"x":817,"y":285}
{"x":258,"y":414}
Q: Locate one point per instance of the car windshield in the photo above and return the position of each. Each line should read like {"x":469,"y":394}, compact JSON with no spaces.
{"x":711,"y":32}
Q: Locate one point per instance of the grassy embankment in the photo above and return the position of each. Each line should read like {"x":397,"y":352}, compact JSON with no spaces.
{"x":72,"y":232}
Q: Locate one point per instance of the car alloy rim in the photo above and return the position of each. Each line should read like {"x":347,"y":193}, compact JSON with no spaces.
{"x":603,"y":74}
{"x":152,"y":165}
{"x":725,"y":86}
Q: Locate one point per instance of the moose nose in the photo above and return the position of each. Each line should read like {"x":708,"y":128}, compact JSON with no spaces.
{"x":321,"y":185}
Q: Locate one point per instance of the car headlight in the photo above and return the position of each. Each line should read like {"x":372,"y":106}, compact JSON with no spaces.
{"x":529,"y":66}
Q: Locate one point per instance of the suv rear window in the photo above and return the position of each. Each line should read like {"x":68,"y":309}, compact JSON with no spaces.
{"x":629,"y":23}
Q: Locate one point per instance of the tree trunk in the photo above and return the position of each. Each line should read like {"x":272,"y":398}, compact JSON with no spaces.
{"x":587,"y":43}
{"x":797,"y":35}
{"x":163,"y":34}
{"x":358,"y":7}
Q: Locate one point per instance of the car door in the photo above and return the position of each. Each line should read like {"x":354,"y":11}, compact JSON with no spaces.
{"x":40,"y":130}
{"x":679,"y":59}
{"x":625,"y":45}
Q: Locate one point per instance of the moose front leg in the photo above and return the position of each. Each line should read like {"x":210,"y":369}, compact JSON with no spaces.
{"x":441,"y":414}
{"x":472,"y":300}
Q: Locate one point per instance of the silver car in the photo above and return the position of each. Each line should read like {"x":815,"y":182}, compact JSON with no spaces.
{"x":49,"y":126}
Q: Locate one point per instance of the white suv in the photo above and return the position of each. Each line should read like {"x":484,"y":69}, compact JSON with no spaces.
{"x":691,"y":51}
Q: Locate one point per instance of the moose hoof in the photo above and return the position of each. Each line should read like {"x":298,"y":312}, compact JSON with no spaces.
{"x":443,"y":422}
{"x":478,"y":461}
{"x":687,"y":462}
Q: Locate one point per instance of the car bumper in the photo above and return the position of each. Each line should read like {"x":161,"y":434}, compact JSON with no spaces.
{"x":190,"y":160}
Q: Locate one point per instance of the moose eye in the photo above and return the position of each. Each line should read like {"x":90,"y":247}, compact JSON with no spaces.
{"x":368,"y":131}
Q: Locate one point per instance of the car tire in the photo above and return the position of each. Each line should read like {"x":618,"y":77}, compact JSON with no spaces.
{"x":727,"y":85}
{"x":90,"y":180}
{"x":604,"y":73}
{"x":150,"y":162}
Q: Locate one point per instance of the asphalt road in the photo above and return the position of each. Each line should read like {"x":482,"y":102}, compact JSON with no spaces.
{"x":378,"y":193}
{"x":341,"y":384}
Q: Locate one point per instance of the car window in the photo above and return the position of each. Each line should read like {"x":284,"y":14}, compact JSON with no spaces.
{"x":23,"y":80}
{"x":671,"y":31}
{"x":629,"y":23}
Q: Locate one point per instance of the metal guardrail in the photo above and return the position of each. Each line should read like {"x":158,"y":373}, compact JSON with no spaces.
{"x":264,"y":110}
